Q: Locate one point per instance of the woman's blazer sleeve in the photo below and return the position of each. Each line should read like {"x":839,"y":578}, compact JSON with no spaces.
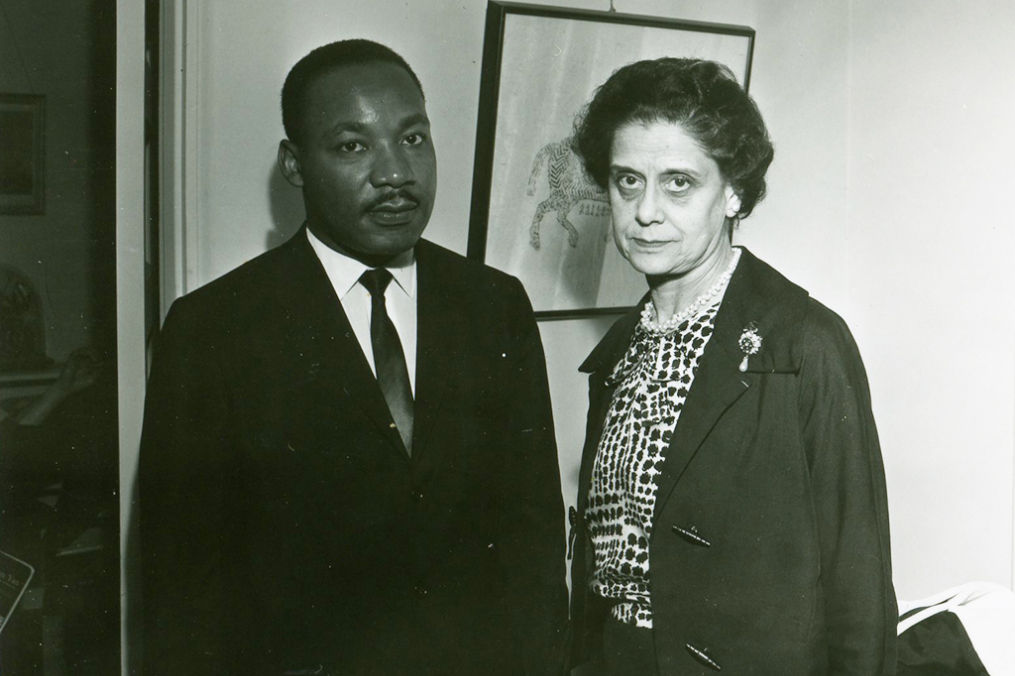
{"x":850,"y":500}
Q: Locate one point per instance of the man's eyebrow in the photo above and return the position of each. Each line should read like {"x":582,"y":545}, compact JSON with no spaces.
{"x":361,"y":128}
{"x":358,"y":127}
{"x":414,"y":119}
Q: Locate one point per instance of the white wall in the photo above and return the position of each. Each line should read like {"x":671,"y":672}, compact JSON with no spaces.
{"x":862,"y":126}
{"x":930,"y":281}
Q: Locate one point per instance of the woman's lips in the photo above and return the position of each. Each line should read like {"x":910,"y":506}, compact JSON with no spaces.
{"x":650,"y":245}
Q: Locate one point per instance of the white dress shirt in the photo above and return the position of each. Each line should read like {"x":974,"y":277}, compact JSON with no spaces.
{"x":399,"y":299}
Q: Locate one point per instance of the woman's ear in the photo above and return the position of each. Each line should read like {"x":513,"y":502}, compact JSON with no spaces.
{"x":732,"y":202}
{"x":289,"y":162}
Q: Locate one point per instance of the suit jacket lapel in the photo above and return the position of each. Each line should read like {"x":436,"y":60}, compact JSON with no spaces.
{"x":320,"y":333}
{"x":435,"y":318}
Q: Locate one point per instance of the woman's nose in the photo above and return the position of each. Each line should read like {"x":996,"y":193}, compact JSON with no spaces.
{"x":648,"y":211}
{"x":392,"y":169}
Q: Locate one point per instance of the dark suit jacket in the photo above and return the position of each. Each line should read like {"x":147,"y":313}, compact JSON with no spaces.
{"x":770,"y":546}
{"x":283,"y":527}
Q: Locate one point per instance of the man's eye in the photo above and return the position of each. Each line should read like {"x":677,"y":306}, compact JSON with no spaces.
{"x":352,"y":147}
{"x":414,"y":139}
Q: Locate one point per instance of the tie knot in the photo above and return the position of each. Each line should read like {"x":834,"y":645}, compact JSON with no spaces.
{"x":376,"y":281}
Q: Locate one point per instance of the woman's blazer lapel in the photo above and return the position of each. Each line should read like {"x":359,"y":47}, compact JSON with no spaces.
{"x":758,"y":297}
{"x":598,"y":365}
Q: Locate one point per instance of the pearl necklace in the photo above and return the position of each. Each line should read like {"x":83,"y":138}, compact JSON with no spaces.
{"x":692,"y":310}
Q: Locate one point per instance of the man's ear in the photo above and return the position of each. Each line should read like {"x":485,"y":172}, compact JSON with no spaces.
{"x":289,"y":162}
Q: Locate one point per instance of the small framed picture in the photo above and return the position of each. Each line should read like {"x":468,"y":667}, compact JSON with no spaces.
{"x":15,"y":575}
{"x":22,"y":154}
{"x":534,"y":212}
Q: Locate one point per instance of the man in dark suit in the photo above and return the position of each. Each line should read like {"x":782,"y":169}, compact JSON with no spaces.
{"x":348,"y":463}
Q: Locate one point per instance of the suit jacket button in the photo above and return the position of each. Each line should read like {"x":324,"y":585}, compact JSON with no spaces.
{"x":421,"y":592}
{"x":701,"y":654}
{"x":416,"y":496}
{"x":692,"y":536}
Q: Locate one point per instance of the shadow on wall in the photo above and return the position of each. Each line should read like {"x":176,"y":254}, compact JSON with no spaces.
{"x":287,"y":213}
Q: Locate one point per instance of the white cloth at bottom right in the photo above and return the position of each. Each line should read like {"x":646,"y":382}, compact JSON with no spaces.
{"x":986,"y":612}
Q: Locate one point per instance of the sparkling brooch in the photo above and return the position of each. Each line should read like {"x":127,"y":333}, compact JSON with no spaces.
{"x":750,"y":343}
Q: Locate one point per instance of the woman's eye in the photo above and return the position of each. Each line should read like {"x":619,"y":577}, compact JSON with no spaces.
{"x":678,"y":184}
{"x":414,"y":139}
{"x":626,"y":181}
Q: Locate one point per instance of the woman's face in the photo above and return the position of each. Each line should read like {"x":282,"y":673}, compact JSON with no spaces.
{"x":669,"y":199}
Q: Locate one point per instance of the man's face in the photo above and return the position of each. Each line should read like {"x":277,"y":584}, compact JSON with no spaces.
{"x":365,"y":161}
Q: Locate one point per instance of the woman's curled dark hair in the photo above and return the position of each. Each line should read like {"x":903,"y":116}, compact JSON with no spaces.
{"x":703,"y":97}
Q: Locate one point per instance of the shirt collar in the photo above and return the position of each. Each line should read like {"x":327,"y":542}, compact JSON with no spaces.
{"x":345,"y":271}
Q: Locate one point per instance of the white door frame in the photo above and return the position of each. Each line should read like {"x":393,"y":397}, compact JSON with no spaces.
{"x":180,"y":188}
{"x":130,"y":259}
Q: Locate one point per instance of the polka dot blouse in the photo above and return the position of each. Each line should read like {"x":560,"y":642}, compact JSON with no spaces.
{"x":652,"y":382}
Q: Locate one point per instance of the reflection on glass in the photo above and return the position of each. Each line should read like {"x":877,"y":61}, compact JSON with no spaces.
{"x":59,"y":496}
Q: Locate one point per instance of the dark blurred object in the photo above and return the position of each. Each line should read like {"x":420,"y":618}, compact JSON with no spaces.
{"x":59,"y":511}
{"x":22,"y":336}
{"x":963,"y":631}
{"x":80,"y":372}
{"x":938,"y":646}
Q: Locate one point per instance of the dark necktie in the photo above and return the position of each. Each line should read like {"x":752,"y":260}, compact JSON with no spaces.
{"x":389,"y":360}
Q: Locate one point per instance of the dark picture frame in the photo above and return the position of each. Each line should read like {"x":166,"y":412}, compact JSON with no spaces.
{"x":534,"y":213}
{"x":22,"y":154}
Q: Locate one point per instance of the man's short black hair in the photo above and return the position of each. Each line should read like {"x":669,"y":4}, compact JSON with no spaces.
{"x":324,"y":60}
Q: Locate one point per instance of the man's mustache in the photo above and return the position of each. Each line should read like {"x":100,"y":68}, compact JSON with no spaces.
{"x":393,"y":196}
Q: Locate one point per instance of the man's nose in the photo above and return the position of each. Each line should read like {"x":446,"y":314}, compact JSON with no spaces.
{"x":392,"y":168}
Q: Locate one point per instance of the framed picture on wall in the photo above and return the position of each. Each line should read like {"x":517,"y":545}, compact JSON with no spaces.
{"x":535,"y":214}
{"x":22,"y":154}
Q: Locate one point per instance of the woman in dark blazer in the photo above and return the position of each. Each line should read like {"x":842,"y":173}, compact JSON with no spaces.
{"x":731,"y":510}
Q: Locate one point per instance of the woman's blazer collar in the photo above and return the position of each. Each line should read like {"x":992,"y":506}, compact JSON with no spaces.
{"x":758,"y":297}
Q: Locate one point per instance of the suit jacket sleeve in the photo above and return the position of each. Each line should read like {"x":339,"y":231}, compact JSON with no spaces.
{"x":183,"y":482}
{"x":532,"y":512}
{"x":848,"y":482}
